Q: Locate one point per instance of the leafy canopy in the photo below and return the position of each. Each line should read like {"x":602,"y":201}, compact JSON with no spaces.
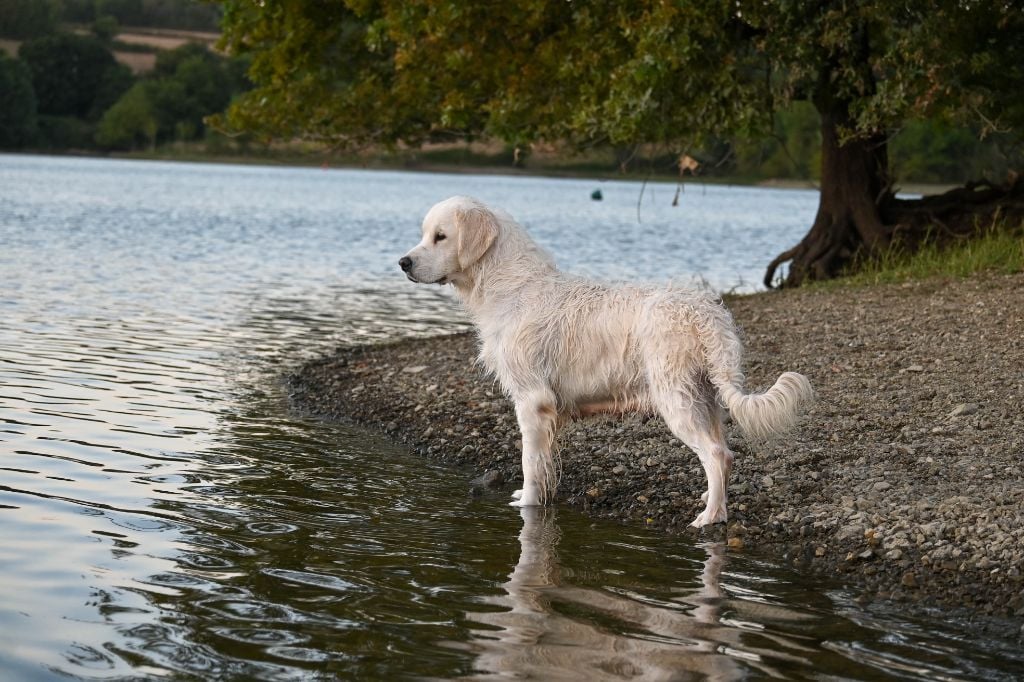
{"x":358,"y":72}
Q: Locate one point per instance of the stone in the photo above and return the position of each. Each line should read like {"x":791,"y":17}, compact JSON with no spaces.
{"x":964,"y":409}
{"x":854,"y":530}
{"x":492,"y":479}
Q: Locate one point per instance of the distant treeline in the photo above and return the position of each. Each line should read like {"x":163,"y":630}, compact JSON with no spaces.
{"x":65,"y":91}
{"x":20,"y":19}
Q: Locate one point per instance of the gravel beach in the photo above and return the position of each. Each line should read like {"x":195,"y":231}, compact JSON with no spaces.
{"x":906,"y":477}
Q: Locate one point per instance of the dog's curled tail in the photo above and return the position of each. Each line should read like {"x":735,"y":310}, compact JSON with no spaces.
{"x":763,"y":415}
{"x":760,"y":415}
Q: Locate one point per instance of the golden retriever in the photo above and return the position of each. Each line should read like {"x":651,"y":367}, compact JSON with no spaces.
{"x":564,"y":347}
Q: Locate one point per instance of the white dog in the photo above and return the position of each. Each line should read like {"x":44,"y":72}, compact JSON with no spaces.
{"x":565,"y":347}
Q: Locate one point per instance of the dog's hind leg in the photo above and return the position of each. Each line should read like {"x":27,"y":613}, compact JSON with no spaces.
{"x":538,"y":424}
{"x":697,"y":421}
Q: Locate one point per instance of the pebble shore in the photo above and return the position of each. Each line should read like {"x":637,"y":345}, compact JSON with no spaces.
{"x":906,"y":477}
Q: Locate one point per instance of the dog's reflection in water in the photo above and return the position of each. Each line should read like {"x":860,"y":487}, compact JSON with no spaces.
{"x":536,"y":636}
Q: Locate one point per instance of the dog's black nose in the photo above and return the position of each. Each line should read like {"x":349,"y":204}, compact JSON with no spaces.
{"x":405,"y":263}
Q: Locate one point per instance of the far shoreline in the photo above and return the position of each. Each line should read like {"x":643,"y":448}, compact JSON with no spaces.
{"x":312,"y":161}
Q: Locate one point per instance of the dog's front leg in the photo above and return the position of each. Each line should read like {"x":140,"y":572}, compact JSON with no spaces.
{"x":538,"y":423}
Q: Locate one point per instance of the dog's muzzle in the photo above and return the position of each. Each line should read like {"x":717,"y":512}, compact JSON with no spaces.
{"x":406,"y":264}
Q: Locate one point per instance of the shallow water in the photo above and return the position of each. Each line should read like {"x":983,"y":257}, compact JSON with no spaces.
{"x":162,"y":514}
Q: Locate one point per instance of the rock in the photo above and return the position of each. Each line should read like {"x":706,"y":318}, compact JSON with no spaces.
{"x":852,"y":531}
{"x":618,"y":470}
{"x":909,"y":579}
{"x":882,"y":486}
{"x":735,"y":543}
{"x":915,"y":368}
{"x":414,"y":369}
{"x":488,"y":481}
{"x":492,"y":479}
{"x":767,"y":481}
{"x":964,"y":409}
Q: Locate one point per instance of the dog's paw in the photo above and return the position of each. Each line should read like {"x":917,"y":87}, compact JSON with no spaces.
{"x":709,"y":517}
{"x":523,"y":502}
{"x":527,"y":497}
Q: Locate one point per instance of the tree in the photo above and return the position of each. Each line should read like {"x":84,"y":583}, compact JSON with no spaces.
{"x":130,"y":123}
{"x":69,"y":73}
{"x":18,"y":115}
{"x":28,"y":18}
{"x":106,"y":28}
{"x":668,"y":73}
{"x":190,"y":83}
{"x":187,"y":84}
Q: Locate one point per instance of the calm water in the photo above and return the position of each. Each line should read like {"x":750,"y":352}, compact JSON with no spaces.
{"x":162,"y":515}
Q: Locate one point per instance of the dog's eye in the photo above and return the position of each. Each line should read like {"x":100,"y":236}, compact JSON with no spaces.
{"x":439,"y":238}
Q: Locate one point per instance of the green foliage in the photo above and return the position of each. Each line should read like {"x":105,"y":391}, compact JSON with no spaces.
{"x":390,"y":71}
{"x":72,"y":75}
{"x":64,"y":132}
{"x":187,"y":85}
{"x":23,"y":19}
{"x":936,"y":151}
{"x":106,"y":28}
{"x":78,"y":11}
{"x":180,"y":14}
{"x":131,"y":123}
{"x":792,"y":151}
{"x":18,"y":113}
{"x":999,"y":250}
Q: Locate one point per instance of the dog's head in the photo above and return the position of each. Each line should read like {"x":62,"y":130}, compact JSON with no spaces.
{"x":457,"y":232}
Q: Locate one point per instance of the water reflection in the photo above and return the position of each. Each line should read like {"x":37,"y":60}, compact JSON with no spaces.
{"x":550,"y":628}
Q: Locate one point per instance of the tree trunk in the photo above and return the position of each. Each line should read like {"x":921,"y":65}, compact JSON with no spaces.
{"x":854,"y":191}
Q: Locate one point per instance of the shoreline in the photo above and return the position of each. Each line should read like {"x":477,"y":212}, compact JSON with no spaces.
{"x":905,"y":479}
{"x":311,"y":160}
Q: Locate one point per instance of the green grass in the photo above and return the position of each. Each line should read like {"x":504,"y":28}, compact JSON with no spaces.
{"x":997,"y":251}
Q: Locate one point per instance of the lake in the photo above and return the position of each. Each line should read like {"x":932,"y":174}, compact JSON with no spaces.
{"x":162,"y":514}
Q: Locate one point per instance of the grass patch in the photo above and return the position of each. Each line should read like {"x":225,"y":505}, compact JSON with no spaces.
{"x":999,"y":250}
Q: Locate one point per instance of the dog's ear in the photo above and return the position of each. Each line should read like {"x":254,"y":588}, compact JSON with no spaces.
{"x":477,"y":230}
